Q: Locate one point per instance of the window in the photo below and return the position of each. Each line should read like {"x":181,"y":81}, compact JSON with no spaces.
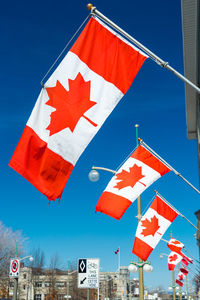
{"x":60,"y":284}
{"x":24,"y":276}
{"x":38,"y":284}
{"x":47,"y":284}
{"x":11,"y":284}
{"x":38,"y":297}
{"x":61,"y":297}
{"x":24,"y":287}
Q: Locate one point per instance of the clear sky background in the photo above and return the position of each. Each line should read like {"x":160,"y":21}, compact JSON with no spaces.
{"x":33,"y":34}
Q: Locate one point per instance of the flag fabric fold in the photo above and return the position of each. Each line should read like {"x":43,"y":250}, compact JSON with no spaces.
{"x":175,"y":245}
{"x":74,"y":103}
{"x":139,"y":171}
{"x":173,"y":259}
{"x":152,"y":226}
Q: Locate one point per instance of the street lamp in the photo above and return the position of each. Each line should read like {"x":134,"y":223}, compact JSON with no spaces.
{"x":135,"y":266}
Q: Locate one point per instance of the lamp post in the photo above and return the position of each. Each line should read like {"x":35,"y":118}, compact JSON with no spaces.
{"x":94,"y":176}
{"x":173,"y":277}
{"x":16,"y":278}
{"x":134,"y":267}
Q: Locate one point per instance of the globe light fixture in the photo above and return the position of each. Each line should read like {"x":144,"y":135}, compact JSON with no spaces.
{"x":93,"y":175}
{"x":132,"y":268}
{"x":148,"y":268}
{"x":146,"y":265}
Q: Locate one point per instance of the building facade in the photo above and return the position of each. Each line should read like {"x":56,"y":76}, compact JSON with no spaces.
{"x":34,"y":284}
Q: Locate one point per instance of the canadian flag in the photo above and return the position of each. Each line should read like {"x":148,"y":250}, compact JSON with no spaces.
{"x":72,"y":106}
{"x":139,"y":171}
{"x":173,"y":259}
{"x":175,"y":245}
{"x":152,"y":226}
{"x":186,"y":260}
{"x":180,"y":283}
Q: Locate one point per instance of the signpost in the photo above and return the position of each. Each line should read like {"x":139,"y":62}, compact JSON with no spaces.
{"x":88,"y":273}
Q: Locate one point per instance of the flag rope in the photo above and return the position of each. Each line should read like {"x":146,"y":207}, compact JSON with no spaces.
{"x":153,"y":56}
{"x":177,"y":211}
{"x":168,"y":165}
{"x":41,"y":82}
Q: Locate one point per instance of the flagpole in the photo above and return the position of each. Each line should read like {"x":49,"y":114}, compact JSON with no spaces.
{"x":119,"y":259}
{"x":168,"y":165}
{"x":140,"y":261}
{"x":173,"y":278}
{"x":153,"y":56}
{"x":178,"y":212}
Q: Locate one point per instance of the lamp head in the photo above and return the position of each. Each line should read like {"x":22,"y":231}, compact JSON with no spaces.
{"x":93,"y":175}
{"x":132,"y":268}
{"x":148,"y":268}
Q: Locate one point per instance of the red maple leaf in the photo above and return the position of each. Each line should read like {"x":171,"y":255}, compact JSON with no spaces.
{"x":151,"y":226}
{"x":129,"y":178}
{"x":173,"y":258}
{"x":70,"y":105}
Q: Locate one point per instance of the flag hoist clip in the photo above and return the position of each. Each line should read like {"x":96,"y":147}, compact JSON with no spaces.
{"x":145,"y":265}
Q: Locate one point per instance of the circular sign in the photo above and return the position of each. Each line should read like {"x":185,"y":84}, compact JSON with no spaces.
{"x":14,"y":266}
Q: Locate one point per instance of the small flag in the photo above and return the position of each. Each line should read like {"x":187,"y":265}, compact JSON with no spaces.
{"x":175,"y":245}
{"x":180,"y":283}
{"x":173,"y":259}
{"x":152,"y":226}
{"x":140,"y":170}
{"x":184,"y":271}
{"x":74,"y":103}
{"x":117,"y":251}
{"x":186,"y":260}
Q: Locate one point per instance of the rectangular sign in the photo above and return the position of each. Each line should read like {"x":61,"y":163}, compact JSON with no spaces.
{"x":88,"y":273}
{"x":14,"y":268}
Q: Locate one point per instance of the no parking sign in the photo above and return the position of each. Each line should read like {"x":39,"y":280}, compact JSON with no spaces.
{"x":14,"y":267}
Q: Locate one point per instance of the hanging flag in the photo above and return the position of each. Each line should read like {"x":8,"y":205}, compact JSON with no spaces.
{"x":117,"y":251}
{"x":186,"y":260}
{"x":180,"y":283}
{"x":173,"y":259}
{"x":139,"y":171}
{"x":184,"y":271}
{"x":73,"y":105}
{"x":175,"y":245}
{"x":152,"y":226}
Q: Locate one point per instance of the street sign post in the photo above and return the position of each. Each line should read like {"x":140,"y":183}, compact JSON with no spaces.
{"x":88,"y":273}
{"x":14,"y":268}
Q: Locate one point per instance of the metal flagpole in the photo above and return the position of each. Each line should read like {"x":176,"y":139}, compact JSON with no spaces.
{"x":153,"y":56}
{"x":140,"y":261}
{"x":168,"y":165}
{"x":119,"y":259}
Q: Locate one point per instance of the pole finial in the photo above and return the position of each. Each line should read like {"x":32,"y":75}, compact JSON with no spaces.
{"x":89,"y":6}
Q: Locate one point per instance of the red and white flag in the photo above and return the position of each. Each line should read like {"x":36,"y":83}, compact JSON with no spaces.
{"x":175,"y":245}
{"x":186,"y":260}
{"x":184,"y":271}
{"x":139,"y":171}
{"x":152,"y":226}
{"x":74,"y":103}
{"x":180,"y":283}
{"x":117,"y":251}
{"x":173,"y":259}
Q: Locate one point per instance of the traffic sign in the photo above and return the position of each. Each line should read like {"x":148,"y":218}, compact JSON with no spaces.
{"x":88,"y":273}
{"x":14,"y":267}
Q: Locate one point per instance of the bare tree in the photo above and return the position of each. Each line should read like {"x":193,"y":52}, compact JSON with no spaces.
{"x":11,"y":245}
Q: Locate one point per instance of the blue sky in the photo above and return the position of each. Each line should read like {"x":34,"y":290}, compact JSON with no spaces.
{"x":32,"y":36}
